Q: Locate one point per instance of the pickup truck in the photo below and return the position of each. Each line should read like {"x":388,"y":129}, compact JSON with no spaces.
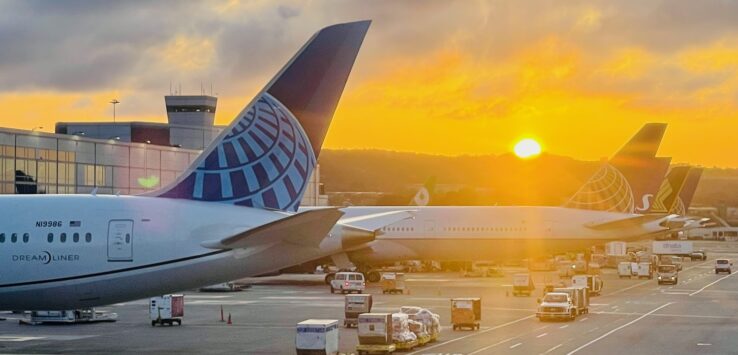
{"x":556,"y":305}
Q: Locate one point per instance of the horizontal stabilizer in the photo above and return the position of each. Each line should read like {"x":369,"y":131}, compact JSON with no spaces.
{"x":632,"y":221}
{"x":373,"y":222}
{"x":306,"y":229}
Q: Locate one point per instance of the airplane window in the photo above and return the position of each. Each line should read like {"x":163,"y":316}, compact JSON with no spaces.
{"x":14,"y":237}
{"x":63,"y":238}
{"x":26,"y":237}
{"x":2,"y":237}
{"x":88,"y":237}
{"x":75,"y":238}
{"x":50,"y":237}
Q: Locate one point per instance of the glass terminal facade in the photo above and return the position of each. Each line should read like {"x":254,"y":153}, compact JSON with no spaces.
{"x":43,"y":163}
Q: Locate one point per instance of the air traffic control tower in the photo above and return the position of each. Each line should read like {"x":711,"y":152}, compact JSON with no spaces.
{"x":191,"y":120}
{"x":190,"y":125}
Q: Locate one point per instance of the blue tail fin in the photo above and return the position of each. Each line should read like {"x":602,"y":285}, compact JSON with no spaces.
{"x":266,"y":156}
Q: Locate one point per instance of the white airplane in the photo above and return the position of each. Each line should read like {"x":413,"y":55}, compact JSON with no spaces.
{"x":230,"y":215}
{"x":603,"y":210}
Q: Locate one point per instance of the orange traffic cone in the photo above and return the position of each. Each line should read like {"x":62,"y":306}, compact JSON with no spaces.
{"x":229,"y":319}
{"x":221,"y":314}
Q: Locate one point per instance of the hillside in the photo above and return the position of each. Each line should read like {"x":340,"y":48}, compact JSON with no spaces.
{"x":478,"y":180}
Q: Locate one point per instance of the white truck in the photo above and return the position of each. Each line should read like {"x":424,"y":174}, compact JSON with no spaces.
{"x":317,"y":336}
{"x":167,"y":309}
{"x":625,"y":269}
{"x":673,"y":247}
{"x":556,"y":305}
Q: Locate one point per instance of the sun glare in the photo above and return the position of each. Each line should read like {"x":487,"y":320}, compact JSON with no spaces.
{"x":527,"y":148}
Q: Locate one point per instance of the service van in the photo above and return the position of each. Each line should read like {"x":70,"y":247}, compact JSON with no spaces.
{"x":723,"y":265}
{"x":348,"y":282}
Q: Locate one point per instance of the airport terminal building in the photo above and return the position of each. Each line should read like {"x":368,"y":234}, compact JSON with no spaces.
{"x":115,"y":158}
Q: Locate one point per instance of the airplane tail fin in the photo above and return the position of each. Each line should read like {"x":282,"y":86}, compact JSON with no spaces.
{"x":668,"y":194}
{"x":687,"y":193}
{"x":266,"y":156}
{"x":425,"y":193}
{"x":632,"y":175}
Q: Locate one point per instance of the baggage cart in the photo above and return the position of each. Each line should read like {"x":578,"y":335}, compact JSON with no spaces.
{"x":317,"y":336}
{"x":362,"y":349}
{"x":354,"y":306}
{"x":466,"y":313}
{"x":522,"y":285}
{"x":167,"y":309}
{"x":406,"y":345}
{"x":393,"y":283}
{"x":375,"y":333}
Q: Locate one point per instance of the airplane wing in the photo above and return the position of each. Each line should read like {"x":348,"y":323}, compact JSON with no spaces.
{"x":632,"y":221}
{"x":376,"y":221}
{"x":306,"y":229}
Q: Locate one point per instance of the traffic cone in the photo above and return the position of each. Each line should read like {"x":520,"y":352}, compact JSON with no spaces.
{"x":221,"y":314}
{"x":229,"y":319}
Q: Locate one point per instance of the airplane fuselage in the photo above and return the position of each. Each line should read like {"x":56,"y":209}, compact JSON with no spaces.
{"x":490,"y":232}
{"x":69,"y":251}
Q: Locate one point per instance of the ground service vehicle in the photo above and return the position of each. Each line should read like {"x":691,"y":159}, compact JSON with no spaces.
{"x":556,"y":305}
{"x":466,"y":313}
{"x":317,"y":336}
{"x":672,"y":260}
{"x":579,"y":297}
{"x":699,"y":255}
{"x":625,"y":269}
{"x":723,"y":265}
{"x":354,"y":306}
{"x":668,"y":274}
{"x":393,"y":283}
{"x":167,"y":309}
{"x":593,"y":283}
{"x":375,"y":333}
{"x":483,"y":269}
{"x":85,"y":315}
{"x":221,"y":287}
{"x":673,"y":247}
{"x":523,"y":285}
{"x":348,"y":282}
{"x":644,"y":270}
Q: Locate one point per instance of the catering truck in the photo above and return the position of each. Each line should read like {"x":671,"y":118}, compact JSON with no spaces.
{"x":673,"y":247}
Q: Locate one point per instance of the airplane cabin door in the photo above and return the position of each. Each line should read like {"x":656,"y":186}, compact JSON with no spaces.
{"x":120,"y":240}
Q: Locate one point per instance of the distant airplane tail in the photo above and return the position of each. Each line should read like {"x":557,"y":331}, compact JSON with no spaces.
{"x":631,"y":177}
{"x":687,"y":193}
{"x":425,"y":193}
{"x":668,"y":194}
{"x":266,"y":156}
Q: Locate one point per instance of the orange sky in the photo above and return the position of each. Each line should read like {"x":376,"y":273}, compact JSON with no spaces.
{"x":472,"y":77}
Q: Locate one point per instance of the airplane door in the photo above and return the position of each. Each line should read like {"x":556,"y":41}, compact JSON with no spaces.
{"x":120,"y":240}
{"x":430,"y":226}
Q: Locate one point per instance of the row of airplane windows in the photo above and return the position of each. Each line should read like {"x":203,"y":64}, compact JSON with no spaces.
{"x":50,"y":237}
{"x":461,"y":229}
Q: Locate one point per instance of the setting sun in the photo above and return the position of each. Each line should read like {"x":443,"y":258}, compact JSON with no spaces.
{"x":527,"y":148}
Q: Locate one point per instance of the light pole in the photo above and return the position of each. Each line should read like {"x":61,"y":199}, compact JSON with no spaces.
{"x":114,"y":102}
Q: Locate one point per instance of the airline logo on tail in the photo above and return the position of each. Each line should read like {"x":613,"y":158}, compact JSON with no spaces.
{"x":632,"y":176}
{"x":666,"y":198}
{"x":423,"y":196}
{"x":264,"y":159}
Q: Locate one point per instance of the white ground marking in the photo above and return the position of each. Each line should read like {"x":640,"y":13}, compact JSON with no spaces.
{"x":599,"y":304}
{"x":583,"y":319}
{"x":205,"y":297}
{"x":542,"y":335}
{"x":564,"y":326}
{"x":620,"y":327}
{"x":471,"y":335}
{"x":712,"y":283}
{"x":541,"y":328}
{"x":515,"y":345}
{"x":12,"y":338}
{"x":703,"y":344}
{"x":554,"y":348}
{"x":490,"y":346}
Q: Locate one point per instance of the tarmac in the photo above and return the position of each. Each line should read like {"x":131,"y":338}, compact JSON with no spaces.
{"x":699,"y":315}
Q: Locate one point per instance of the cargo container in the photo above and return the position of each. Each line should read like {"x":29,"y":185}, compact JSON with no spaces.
{"x":616,"y":248}
{"x":466,"y":313}
{"x":317,"y":336}
{"x":354,"y":306}
{"x":393,"y":283}
{"x":375,"y":333}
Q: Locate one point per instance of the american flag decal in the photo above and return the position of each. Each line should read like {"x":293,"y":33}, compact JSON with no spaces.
{"x":75,"y":223}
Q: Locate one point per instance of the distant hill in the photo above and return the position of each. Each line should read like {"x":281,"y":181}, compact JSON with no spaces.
{"x":478,"y":180}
